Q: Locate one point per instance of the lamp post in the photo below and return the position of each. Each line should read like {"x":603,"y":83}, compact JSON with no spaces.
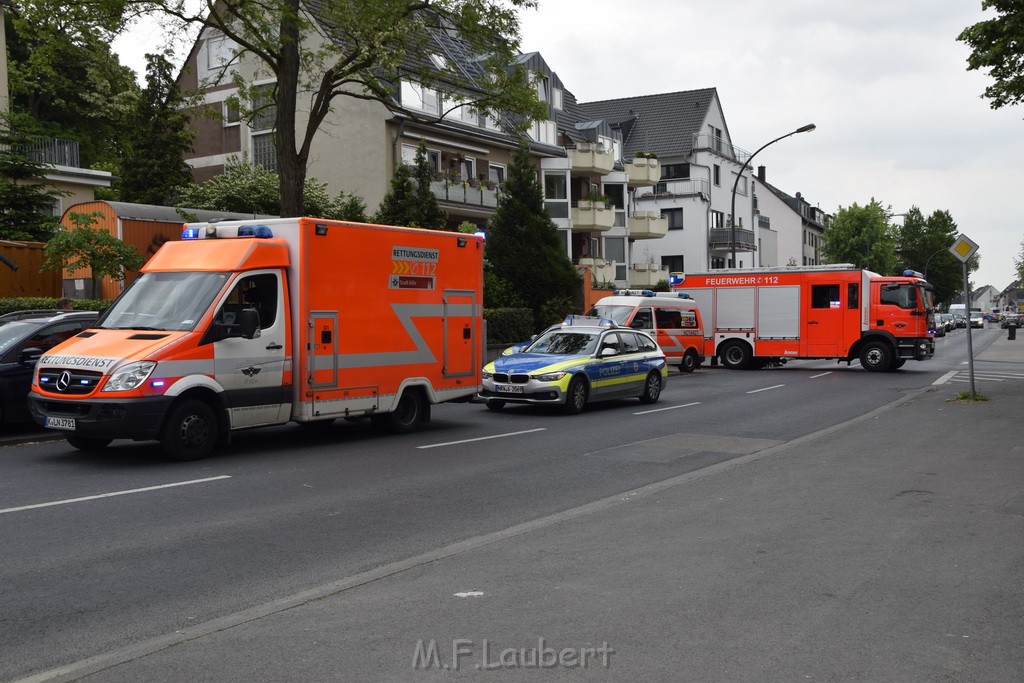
{"x":802,"y":129}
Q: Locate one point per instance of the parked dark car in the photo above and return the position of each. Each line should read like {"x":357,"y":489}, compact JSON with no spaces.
{"x":24,"y":337}
{"x":1011,"y":320}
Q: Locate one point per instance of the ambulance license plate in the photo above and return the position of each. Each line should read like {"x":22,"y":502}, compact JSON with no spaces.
{"x":61,"y":423}
{"x":508,"y":389}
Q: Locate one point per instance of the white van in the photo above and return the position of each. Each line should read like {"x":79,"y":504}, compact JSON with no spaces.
{"x":672,"y":318}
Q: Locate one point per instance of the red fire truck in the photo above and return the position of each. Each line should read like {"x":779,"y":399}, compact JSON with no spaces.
{"x":753,"y":316}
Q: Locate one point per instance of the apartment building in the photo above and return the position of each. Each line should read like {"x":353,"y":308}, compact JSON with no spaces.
{"x":789,"y":228}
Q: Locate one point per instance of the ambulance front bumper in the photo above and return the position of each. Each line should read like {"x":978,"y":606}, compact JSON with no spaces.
{"x":139,"y":418}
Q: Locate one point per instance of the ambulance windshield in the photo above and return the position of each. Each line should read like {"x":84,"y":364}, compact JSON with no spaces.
{"x":173,"y":301}
{"x":617,"y":313}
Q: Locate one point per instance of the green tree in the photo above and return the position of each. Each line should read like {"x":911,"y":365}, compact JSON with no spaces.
{"x":996,"y":45}
{"x":410,"y":201}
{"x":523,"y":246}
{"x":863,"y":236}
{"x":245,"y":187}
{"x":1019,"y":263}
{"x":86,"y":247}
{"x":371,"y":48}
{"x":64,"y":80}
{"x":924,"y":246}
{"x":157,"y":139}
{"x":25,"y":203}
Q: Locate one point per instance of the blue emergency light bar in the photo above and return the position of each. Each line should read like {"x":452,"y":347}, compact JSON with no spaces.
{"x":259,"y":231}
{"x":210,"y":232}
{"x":912,"y":273}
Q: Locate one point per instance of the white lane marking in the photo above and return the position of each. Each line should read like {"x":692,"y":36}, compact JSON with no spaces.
{"x":658,"y":410}
{"x":945,"y":378}
{"x":766,"y":388}
{"x":483,"y":438}
{"x":820,"y":374}
{"x":979,"y":379}
{"x":469,"y":594}
{"x":111,"y":495}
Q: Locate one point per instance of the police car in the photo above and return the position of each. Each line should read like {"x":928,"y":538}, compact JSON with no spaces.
{"x":581,"y":361}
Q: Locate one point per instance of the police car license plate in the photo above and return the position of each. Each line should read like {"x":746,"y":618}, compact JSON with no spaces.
{"x":61,"y":423}
{"x":508,"y":389}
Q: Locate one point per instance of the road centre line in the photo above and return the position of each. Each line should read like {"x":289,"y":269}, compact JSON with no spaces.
{"x":820,"y":374}
{"x":658,"y":410}
{"x":483,"y":438}
{"x":776,"y":386}
{"x":111,"y":495}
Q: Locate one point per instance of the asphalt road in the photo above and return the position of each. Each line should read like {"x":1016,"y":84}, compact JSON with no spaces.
{"x":102,"y":551}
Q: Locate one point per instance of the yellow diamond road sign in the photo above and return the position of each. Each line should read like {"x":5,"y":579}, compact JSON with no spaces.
{"x":963,"y":248}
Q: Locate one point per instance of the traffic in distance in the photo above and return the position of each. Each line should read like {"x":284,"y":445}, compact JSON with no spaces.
{"x":242,"y":325}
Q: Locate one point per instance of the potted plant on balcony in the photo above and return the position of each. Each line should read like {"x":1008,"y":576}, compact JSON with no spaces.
{"x":594,"y":200}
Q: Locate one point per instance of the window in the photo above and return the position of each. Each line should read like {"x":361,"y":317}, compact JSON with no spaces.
{"x":496,"y":173}
{"x":852,"y":299}
{"x":643,"y":319}
{"x":615,"y":250}
{"x":415,"y":96}
{"x":674,"y":171}
{"x":556,"y":98}
{"x":628,"y":343}
{"x":904,"y":296}
{"x":824,"y":296}
{"x":261,"y":128}
{"x":264,"y":152}
{"x":718,"y":175}
{"x":543,"y":132}
{"x":468,"y":168}
{"x":220,"y":61}
{"x":231,"y":114}
{"x":409,"y":157}
{"x":616,"y":193}
{"x":554,"y":186}
{"x":256,"y":291}
{"x":717,"y":263}
{"x":542,"y":88}
{"x":646,"y":344}
{"x":675,"y":218}
{"x":675,"y":264}
{"x":717,"y":219}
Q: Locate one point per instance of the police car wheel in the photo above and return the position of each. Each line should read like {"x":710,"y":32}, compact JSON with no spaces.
{"x":495,"y":404}
{"x":85,"y":443}
{"x":190,"y":431}
{"x":576,"y":396}
{"x":652,"y":388}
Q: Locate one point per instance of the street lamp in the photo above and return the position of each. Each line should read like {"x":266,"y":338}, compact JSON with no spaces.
{"x":802,"y":129}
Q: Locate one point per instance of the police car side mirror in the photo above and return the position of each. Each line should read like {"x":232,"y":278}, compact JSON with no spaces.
{"x":249,"y":320}
{"x":608,"y":351}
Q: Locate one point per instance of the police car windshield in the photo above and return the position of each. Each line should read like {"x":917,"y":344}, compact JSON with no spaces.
{"x":565,"y":342}
{"x":164,"y":301}
{"x":617,"y":313}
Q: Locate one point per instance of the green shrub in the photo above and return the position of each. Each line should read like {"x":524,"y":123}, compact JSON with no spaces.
{"x":508,"y":325}
{"x":554,"y":311}
{"x":24,"y":303}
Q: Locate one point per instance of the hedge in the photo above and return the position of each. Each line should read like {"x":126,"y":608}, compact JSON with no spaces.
{"x":24,"y":303}
{"x":508,"y":325}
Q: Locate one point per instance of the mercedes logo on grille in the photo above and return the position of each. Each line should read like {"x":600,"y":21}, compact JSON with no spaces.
{"x":64,"y":381}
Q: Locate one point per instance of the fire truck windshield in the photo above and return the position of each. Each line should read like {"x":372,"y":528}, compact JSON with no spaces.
{"x":172,"y":301}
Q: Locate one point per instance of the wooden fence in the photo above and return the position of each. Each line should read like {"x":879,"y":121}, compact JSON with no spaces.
{"x":21,"y":272}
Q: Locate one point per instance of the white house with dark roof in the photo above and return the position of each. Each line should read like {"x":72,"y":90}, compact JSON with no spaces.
{"x":789,"y":228}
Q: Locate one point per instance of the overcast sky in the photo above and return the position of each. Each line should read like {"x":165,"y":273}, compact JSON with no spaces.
{"x":899,"y":118}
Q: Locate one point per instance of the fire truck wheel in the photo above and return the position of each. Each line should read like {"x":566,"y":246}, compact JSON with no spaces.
{"x":576,"y":396}
{"x":190,"y":431}
{"x":736,"y":355}
{"x":876,"y":356}
{"x":759,"y":362}
{"x":898,"y":363}
{"x":85,"y":443}
{"x":652,"y":388}
{"x":495,"y":404}
{"x":411,"y":410}
{"x":689,"y":363}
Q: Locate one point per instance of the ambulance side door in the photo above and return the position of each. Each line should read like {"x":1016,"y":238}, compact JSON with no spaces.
{"x":252,"y":371}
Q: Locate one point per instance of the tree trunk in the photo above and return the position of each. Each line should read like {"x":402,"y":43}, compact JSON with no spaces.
{"x":291,"y":165}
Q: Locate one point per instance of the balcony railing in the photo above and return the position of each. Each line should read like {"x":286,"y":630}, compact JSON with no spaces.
{"x":591,"y":159}
{"x":459,"y":193}
{"x":721,"y":238}
{"x":643,"y":172}
{"x":53,"y":151}
{"x":686,"y":187}
{"x":592,"y":216}
{"x":647,"y":225}
{"x":712,"y":143}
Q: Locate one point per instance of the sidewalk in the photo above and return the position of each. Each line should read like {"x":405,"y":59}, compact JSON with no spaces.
{"x":889,"y":548}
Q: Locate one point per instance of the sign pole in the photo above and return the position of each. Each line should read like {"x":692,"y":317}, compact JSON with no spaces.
{"x":963,"y":248}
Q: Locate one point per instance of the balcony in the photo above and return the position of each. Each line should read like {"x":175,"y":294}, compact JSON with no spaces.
{"x":591,"y":159}
{"x":601,"y":270}
{"x":647,"y":225}
{"x":460,"y":193}
{"x":686,"y":187}
{"x":52,"y":151}
{"x":712,"y":143}
{"x":646,"y":275}
{"x":643,"y":172}
{"x":721,"y":238}
{"x":592,"y":217}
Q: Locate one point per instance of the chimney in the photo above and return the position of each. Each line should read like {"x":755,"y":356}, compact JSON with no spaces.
{"x":760,"y":173}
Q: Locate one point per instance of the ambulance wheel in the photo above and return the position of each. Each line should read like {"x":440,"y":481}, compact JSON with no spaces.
{"x":85,"y":443}
{"x":876,"y":356}
{"x":576,"y":396}
{"x":689,"y":362}
{"x":411,"y":411}
{"x":736,"y":355}
{"x":495,"y":404}
{"x":652,"y":388}
{"x":190,"y":431}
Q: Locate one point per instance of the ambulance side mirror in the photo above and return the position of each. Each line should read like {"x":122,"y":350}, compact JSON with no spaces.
{"x":249,"y":322}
